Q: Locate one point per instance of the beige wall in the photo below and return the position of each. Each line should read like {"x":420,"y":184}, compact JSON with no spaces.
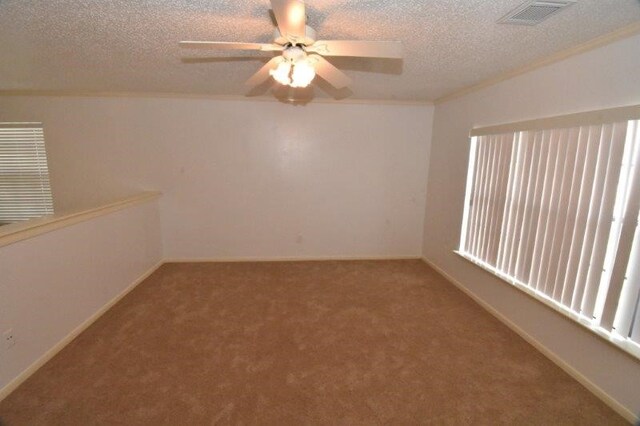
{"x":246,"y":179}
{"x":602,"y":78}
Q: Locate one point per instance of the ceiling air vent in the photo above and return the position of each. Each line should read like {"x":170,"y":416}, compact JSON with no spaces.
{"x":534,"y":12}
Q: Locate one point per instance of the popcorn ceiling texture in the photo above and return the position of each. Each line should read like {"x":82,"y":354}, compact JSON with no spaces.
{"x":131,"y":46}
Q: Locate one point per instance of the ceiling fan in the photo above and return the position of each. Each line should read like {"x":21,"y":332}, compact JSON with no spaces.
{"x":301,"y":55}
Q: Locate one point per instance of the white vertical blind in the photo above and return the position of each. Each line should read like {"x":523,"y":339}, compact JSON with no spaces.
{"x":555,"y":212}
{"x":25,"y":191}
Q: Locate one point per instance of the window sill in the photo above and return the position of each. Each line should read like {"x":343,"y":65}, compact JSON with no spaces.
{"x":19,"y":231}
{"x":626,"y":345}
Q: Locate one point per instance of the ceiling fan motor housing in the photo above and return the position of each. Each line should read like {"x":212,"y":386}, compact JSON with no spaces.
{"x":294,"y":53}
{"x":308,"y":39}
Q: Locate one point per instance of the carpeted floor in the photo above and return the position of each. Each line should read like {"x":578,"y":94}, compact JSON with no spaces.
{"x":362,"y":342}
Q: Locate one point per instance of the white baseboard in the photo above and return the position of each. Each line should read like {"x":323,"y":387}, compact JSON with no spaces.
{"x":13,"y":384}
{"x":286,"y":259}
{"x":556,"y":359}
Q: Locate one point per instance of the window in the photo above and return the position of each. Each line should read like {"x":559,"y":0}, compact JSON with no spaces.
{"x":552,"y":206}
{"x":25,"y":191}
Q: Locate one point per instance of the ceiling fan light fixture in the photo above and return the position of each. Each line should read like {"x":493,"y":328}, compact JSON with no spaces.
{"x":296,"y":74}
{"x":281,"y":73}
{"x":303,"y":74}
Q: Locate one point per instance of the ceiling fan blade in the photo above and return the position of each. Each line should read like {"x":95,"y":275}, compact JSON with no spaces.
{"x":263,"y":73}
{"x":328,"y":72}
{"x":223,"y":45}
{"x":291,"y":17}
{"x":365,"y":49}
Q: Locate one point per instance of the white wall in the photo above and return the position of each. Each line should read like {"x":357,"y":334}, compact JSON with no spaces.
{"x":52,"y":283}
{"x":602,"y":78}
{"x":245,"y":179}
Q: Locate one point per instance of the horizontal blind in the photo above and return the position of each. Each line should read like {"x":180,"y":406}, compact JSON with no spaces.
{"x":25,"y":191}
{"x":556,"y":212}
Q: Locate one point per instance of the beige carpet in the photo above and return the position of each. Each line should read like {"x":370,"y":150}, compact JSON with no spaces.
{"x":366,"y":342}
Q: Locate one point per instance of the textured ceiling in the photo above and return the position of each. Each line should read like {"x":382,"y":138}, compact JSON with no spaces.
{"x":131,"y":46}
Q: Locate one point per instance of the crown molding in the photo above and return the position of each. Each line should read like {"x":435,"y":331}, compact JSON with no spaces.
{"x":603,"y":40}
{"x":177,"y":95}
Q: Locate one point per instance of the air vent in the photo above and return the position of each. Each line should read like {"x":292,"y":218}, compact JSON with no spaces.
{"x":534,"y":12}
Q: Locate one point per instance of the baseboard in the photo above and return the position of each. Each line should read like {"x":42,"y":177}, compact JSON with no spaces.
{"x":583,"y":380}
{"x":285,"y":259}
{"x":12,"y":385}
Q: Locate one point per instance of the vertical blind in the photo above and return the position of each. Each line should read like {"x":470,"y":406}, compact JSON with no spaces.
{"x":555,"y":212}
{"x":25,"y":191}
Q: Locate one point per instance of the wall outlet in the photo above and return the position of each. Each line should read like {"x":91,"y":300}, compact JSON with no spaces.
{"x":8,"y":339}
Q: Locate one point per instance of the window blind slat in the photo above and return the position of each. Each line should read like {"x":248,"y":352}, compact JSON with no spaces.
{"x":474,"y":197}
{"x":545,"y":196}
{"x":498,"y":198}
{"x":482,"y":196}
{"x":488,"y":195}
{"x":466,"y":223}
{"x":635,"y":331}
{"x":494,"y":201}
{"x":486,"y":190}
{"x":528,"y":146}
{"x":507,"y":203}
{"x":513,"y":207}
{"x":517,"y":209}
{"x":542,"y":231}
{"x":476,"y":201}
